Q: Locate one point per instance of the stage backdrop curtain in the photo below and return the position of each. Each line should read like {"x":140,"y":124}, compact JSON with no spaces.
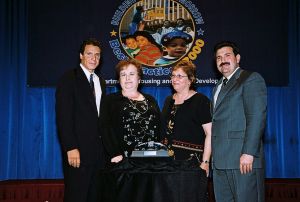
{"x":29,"y":147}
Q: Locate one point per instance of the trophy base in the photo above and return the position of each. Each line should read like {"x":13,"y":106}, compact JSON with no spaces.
{"x":149,"y":153}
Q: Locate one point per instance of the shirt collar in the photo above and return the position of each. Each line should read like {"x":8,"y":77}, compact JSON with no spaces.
{"x":231,"y":74}
{"x":86,"y":72}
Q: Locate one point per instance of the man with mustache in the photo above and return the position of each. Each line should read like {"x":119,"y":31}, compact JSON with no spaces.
{"x":238,"y":120}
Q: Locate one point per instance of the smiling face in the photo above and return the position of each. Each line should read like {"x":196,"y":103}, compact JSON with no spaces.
{"x":90,"y":58}
{"x":180,"y":80}
{"x":129,"y":78}
{"x":226,"y":61}
{"x":176,"y":47}
{"x":142,"y":41}
{"x":131,"y":43}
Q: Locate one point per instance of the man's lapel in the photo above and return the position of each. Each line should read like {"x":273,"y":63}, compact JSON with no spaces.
{"x":213,"y":94}
{"x":226,"y":89}
{"x":85,"y":89}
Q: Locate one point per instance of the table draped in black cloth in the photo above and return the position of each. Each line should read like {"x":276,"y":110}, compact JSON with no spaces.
{"x":153,"y":180}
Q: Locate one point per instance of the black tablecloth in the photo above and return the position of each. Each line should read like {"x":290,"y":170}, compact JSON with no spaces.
{"x":153,"y":180}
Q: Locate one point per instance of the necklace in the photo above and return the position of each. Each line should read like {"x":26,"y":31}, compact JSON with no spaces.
{"x":140,"y":106}
{"x":135,"y":96}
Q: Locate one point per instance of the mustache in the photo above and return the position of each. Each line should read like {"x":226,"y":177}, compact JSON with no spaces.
{"x":224,"y":63}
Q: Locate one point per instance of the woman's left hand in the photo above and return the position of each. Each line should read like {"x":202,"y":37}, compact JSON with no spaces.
{"x":116,"y":159}
{"x":205,"y":166}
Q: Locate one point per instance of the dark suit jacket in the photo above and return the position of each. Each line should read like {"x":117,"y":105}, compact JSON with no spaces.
{"x":238,"y":120}
{"x":77,"y":118}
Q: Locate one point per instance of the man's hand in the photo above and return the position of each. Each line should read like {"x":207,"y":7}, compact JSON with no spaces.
{"x":246,"y":163}
{"x":74,"y":158}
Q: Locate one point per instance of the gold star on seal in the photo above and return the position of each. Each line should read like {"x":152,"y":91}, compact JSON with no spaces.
{"x":113,"y":33}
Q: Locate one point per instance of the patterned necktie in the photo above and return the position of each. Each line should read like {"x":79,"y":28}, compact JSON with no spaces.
{"x":92,"y":84}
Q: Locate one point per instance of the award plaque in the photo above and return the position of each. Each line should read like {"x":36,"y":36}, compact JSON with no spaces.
{"x":150,"y":149}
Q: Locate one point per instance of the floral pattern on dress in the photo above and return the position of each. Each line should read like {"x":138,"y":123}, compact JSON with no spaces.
{"x":139,"y":122}
{"x":170,"y":130}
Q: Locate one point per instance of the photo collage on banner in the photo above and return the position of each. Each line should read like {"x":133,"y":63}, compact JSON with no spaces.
{"x":157,"y":33}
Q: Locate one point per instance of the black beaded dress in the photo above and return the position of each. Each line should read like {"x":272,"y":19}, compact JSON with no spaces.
{"x":130,"y":122}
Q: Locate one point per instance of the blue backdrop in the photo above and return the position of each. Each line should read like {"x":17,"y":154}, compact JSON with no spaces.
{"x":29,"y":147}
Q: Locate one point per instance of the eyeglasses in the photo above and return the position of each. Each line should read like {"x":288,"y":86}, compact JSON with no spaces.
{"x":91,"y":55}
{"x":178,"y":76}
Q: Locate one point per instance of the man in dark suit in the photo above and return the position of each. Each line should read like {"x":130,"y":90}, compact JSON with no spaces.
{"x":79,"y":95}
{"x":238,"y":122}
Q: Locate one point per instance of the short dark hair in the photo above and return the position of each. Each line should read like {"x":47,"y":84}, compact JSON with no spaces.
{"x":222,"y":44}
{"x":124,"y":63}
{"x":189,"y":68}
{"x":146,"y":35}
{"x":90,"y":41}
{"x":139,"y":8}
{"x":127,"y":37}
{"x":180,"y":19}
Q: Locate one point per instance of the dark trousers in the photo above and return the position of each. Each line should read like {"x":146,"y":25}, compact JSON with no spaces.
{"x":81,"y":184}
{"x":231,"y":185}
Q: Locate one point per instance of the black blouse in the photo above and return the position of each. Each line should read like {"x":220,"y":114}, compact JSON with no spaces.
{"x":129,"y":122}
{"x":187,"y":122}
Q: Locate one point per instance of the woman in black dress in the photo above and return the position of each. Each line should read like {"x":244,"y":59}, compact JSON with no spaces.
{"x":187,"y":118}
{"x":130,"y":117}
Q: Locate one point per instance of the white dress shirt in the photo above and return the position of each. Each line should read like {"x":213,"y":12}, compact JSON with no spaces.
{"x":220,"y":85}
{"x":97,"y":86}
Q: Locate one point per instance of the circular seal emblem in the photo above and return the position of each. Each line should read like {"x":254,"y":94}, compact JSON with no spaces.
{"x":157,"y":33}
